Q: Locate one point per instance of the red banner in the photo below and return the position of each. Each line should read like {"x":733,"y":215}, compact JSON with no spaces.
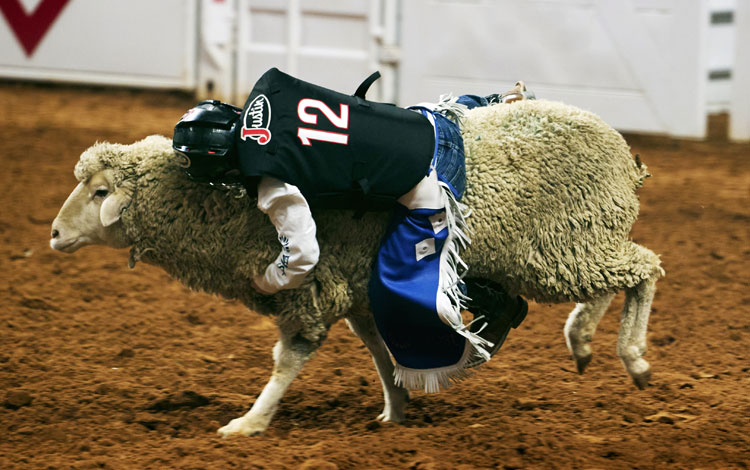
{"x":31,"y":28}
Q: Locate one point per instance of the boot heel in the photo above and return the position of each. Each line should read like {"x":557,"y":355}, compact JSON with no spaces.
{"x":521,"y":314}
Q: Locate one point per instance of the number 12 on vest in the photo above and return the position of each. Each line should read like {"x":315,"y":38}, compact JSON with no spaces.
{"x":306,"y":135}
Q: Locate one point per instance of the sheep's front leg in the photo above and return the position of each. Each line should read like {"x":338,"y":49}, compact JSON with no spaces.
{"x":395,"y":397}
{"x":580,"y":328}
{"x":289,"y":354}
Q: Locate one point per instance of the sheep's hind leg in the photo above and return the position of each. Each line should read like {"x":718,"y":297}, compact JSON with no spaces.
{"x":289,"y":354}
{"x":395,"y":397}
{"x":580,"y":329}
{"x":631,"y":342}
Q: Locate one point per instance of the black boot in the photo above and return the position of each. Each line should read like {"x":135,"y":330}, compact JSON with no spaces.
{"x":501,"y":312}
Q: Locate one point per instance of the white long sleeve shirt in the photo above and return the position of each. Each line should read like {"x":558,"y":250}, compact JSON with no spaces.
{"x":290,"y":214}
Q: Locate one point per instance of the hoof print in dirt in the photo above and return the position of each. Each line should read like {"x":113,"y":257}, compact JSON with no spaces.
{"x":186,"y":399}
{"x":150,"y":421}
{"x":318,"y":464}
{"x":16,"y":399}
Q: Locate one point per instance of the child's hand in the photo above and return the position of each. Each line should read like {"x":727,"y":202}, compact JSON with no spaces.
{"x":257,"y":288}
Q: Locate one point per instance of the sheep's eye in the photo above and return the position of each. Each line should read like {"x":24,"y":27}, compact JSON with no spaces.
{"x":101,"y":193}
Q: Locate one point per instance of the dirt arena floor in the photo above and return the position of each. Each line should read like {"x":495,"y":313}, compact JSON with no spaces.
{"x":103,"y":367}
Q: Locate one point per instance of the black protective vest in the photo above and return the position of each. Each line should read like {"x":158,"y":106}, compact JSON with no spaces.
{"x":339,"y":150}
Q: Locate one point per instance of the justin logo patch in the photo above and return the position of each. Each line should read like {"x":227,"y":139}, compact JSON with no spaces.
{"x":256,"y":121}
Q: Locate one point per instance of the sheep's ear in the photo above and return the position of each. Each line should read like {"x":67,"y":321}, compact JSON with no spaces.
{"x":114,"y":204}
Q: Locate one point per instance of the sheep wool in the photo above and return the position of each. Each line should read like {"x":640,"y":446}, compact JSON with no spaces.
{"x":216,"y":241}
{"x":551,"y":189}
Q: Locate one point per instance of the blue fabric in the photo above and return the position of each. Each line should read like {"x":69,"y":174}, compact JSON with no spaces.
{"x":403,"y":291}
{"x":403,"y":294}
{"x":450,"y":161}
{"x":472,"y":101}
{"x":449,"y":158}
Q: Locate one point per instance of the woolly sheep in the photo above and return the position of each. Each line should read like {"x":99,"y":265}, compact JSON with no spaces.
{"x":551,"y":187}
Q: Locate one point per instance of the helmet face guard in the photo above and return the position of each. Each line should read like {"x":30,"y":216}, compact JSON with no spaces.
{"x":202,"y":170}
{"x":205,"y":145}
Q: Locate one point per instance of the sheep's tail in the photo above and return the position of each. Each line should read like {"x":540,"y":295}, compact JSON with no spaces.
{"x":452,"y":271}
{"x":641,"y":172}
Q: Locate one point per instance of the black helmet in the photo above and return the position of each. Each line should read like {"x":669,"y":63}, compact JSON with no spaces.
{"x":204,"y":140}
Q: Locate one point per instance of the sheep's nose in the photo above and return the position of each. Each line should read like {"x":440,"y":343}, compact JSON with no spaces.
{"x":55,"y":233}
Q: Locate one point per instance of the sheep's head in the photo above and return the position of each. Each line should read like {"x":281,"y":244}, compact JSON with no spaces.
{"x":91,"y":214}
{"x":106,"y":172}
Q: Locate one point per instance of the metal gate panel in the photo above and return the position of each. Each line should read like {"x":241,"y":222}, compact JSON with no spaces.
{"x":637,"y":63}
{"x":333,"y":43}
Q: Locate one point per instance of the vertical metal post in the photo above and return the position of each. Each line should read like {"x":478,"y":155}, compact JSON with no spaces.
{"x":215,"y":53}
{"x":739,"y":117}
{"x":390,"y":51}
{"x":191,"y":55}
{"x":294,"y":20}
{"x":235,"y":50}
{"x":374,"y":24}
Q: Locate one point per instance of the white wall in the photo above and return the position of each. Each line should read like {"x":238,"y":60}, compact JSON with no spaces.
{"x":637,"y":63}
{"x":133,"y":43}
{"x":643,"y":65}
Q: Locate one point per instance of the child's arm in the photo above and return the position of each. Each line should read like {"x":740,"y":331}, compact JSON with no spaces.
{"x":290,"y":214}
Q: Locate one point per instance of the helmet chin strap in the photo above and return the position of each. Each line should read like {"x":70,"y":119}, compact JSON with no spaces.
{"x":231,"y":182}
{"x":183,"y":161}
{"x":236,"y":189}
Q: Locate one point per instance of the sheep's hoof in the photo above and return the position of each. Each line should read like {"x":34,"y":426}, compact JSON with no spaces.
{"x":397,"y":418}
{"x":582,"y":362}
{"x":240,"y":427}
{"x":641,"y":380}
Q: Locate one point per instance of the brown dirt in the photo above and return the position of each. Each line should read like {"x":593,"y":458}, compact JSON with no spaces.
{"x":106,"y":367}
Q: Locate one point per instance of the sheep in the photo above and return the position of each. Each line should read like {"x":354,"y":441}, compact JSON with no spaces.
{"x":551,"y":187}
